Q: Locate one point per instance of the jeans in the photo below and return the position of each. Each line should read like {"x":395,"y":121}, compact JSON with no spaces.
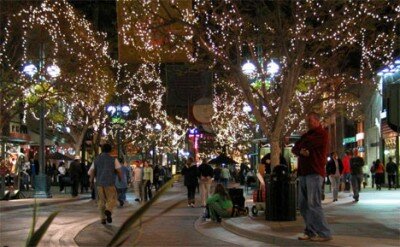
{"x":335,"y":181}
{"x":224,"y":182}
{"x":356,"y":180}
{"x":122,"y":195}
{"x":310,"y":206}
{"x":392,"y":180}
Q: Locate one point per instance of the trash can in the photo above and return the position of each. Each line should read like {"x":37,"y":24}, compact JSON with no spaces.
{"x":281,"y":196}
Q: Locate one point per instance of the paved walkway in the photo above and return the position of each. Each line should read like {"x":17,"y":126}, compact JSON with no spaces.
{"x":373,"y":221}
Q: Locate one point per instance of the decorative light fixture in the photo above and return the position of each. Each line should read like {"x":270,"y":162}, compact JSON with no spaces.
{"x":248,"y":68}
{"x":272,"y":68}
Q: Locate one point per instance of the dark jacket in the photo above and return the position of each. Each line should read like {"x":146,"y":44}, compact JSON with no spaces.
{"x":391,"y":168}
{"x":75,"y":170}
{"x":331,"y":167}
{"x":316,"y":142}
{"x":205,"y":170}
{"x":356,"y":164}
{"x":190,"y":175}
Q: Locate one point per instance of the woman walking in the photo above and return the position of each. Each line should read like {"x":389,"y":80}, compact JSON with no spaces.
{"x":379,"y":174}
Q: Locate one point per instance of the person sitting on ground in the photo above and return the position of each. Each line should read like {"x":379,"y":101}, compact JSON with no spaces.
{"x":219,"y":205}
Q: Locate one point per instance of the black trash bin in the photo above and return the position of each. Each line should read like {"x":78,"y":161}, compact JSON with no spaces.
{"x":281,"y":196}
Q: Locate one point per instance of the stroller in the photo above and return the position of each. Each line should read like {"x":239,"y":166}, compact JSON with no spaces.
{"x":238,"y":200}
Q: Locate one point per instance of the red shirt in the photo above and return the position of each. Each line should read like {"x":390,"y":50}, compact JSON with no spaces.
{"x":346,"y":164}
{"x":316,"y":142}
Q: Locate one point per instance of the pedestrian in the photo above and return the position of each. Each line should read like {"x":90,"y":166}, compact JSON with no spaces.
{"x":156,"y":175}
{"x":217,"y":174}
{"x":122,"y":184}
{"x":206,"y":174}
{"x":372,"y":170}
{"x":84,"y":177}
{"x":62,"y":172}
{"x":356,"y":168}
{"x":75,"y":173}
{"x":346,"y":175}
{"x":311,"y":150}
{"x":219,"y":205}
{"x":92,"y":182}
{"x":334,"y":168}
{"x":379,"y":174}
{"x":105,"y":170}
{"x":392,"y":170}
{"x":189,"y":171}
{"x":137,"y":182}
{"x":225,"y":176}
{"x":147,"y":181}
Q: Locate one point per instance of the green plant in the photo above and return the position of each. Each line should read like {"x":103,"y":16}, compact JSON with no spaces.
{"x":35,"y":236}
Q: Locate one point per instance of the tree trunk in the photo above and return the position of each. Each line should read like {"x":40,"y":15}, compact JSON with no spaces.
{"x":275,"y":152}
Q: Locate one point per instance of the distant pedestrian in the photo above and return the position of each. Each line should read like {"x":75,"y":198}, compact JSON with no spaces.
{"x":122,"y":184}
{"x":147,"y":181}
{"x":357,"y":175}
{"x":105,"y":170}
{"x":75,"y":172}
{"x":62,"y":171}
{"x":225,"y":176}
{"x":346,"y":174}
{"x":379,"y":174}
{"x":205,"y":179}
{"x":217,"y":174}
{"x":372,"y":170}
{"x":334,"y":168}
{"x":311,"y":150}
{"x":392,"y":171}
{"x":137,"y":182}
{"x":84,"y":177}
{"x":189,"y":171}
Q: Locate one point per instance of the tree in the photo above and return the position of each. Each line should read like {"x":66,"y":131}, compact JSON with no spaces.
{"x":322,"y":48}
{"x":150,"y":125}
{"x":53,"y":32}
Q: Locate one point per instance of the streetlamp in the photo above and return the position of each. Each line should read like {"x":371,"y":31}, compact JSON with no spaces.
{"x":41,"y":186}
{"x":249,"y":69}
{"x":117,"y":114}
{"x":156,"y":129}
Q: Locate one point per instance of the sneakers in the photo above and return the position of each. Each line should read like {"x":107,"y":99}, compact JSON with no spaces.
{"x":304,"y":237}
{"x":320,"y":239}
{"x":108,"y":215}
{"x":314,"y":238}
{"x":192,"y":205}
{"x":334,"y":200}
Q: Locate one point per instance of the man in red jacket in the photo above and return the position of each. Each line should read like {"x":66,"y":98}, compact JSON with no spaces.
{"x":311,"y":150}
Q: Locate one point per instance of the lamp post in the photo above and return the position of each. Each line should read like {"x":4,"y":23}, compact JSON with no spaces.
{"x":249,"y":69}
{"x":41,"y":186}
{"x":117,"y":114}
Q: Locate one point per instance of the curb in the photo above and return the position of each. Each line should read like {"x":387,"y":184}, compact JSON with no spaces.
{"x":42,"y":203}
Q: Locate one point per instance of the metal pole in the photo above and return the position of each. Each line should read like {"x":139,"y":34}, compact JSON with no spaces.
{"x":119,"y":142}
{"x":41,"y":190}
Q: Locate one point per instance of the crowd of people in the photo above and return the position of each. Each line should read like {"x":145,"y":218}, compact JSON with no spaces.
{"x":348,"y":173}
